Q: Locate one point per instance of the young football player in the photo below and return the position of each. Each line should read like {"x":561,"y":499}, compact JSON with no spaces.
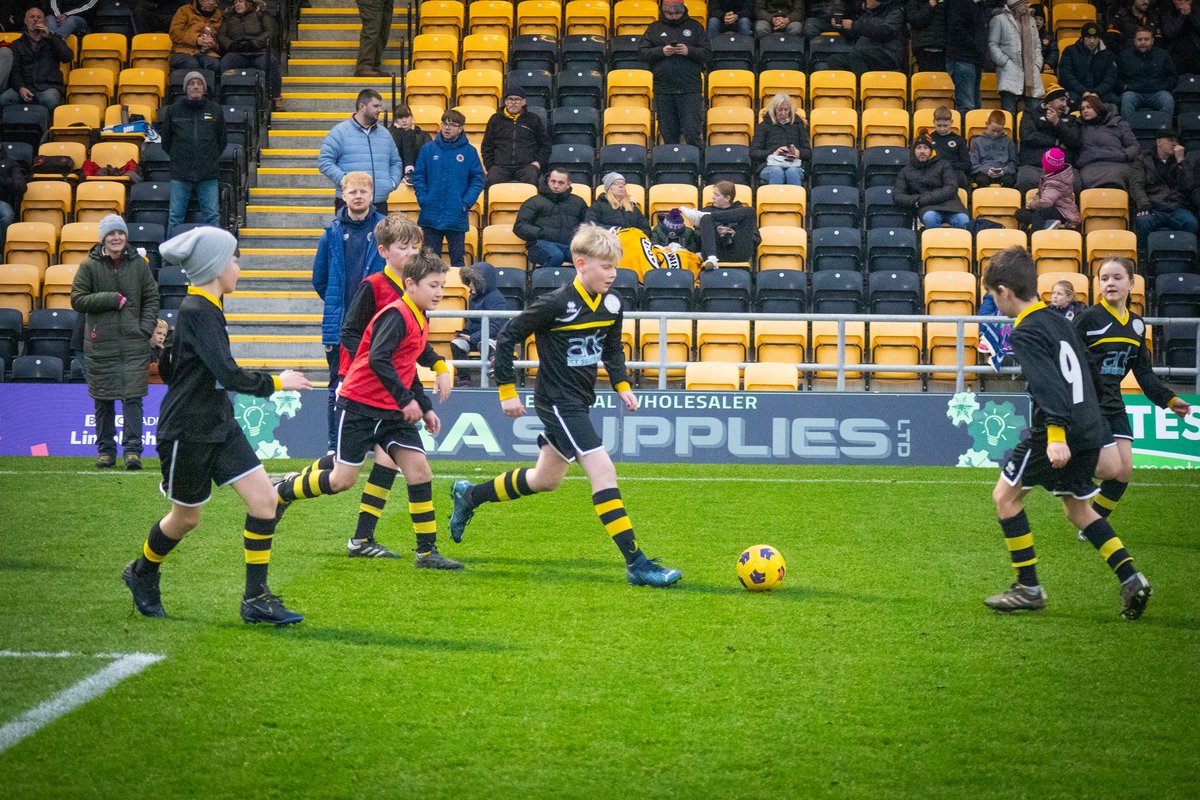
{"x":199,"y":443}
{"x":380,"y":402}
{"x":576,"y":327}
{"x":1061,"y":447}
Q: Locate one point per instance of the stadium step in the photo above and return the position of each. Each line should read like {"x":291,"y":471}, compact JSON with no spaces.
{"x":292,"y":138}
{"x":344,"y":13}
{"x":281,"y":237}
{"x":298,"y":178}
{"x":333,"y":66}
{"x":341,"y":31}
{"x":301,"y":158}
{"x":294,"y":279}
{"x":277,"y":258}
{"x":284,"y":216}
{"x":308,"y":120}
{"x":329,"y":99}
{"x":277,"y":345}
{"x":266,"y":301}
{"x":283,"y":196}
{"x":340,"y":48}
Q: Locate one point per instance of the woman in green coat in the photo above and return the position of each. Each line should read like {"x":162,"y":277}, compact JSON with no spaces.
{"x":119,"y":298}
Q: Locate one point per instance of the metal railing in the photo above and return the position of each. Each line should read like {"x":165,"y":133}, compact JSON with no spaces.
{"x":841,"y":367}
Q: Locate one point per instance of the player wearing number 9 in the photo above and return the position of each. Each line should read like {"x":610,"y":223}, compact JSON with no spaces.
{"x":1062,"y":446}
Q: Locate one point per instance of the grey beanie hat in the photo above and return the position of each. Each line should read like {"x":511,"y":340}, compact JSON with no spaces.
{"x":202,"y":252}
{"x":111,"y":224}
{"x":195,"y":74}
{"x":610,"y":178}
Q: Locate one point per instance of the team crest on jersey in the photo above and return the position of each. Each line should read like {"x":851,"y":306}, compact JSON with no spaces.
{"x":459,"y":158}
{"x":951,"y":143}
{"x":687,"y":33}
{"x":1139,"y":327}
{"x":612,"y":303}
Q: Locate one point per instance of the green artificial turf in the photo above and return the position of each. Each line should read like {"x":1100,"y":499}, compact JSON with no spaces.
{"x":873,"y":672}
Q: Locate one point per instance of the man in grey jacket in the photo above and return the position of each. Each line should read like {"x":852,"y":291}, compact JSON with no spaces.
{"x":361,"y":144}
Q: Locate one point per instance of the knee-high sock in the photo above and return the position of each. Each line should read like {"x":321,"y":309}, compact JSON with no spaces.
{"x":1020,"y":548}
{"x":1102,"y":536}
{"x":611,"y":510}
{"x":424,"y":520}
{"x":308,"y":484}
{"x":155,"y":549}
{"x":256,"y":539}
{"x":374,"y":498}
{"x":1111,"y":491}
{"x":509,"y":486}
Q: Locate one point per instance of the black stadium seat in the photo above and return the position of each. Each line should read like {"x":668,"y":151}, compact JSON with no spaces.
{"x":880,"y":209}
{"x":781,"y":291}
{"x":727,"y":162}
{"x":627,"y":159}
{"x":725,"y":291}
{"x":837,"y":292}
{"x":576,"y":125}
{"x":537,"y":84}
{"x":583,"y":51}
{"x":780,"y":52}
{"x":675,"y":163}
{"x":1177,"y":295}
{"x":533,"y":51}
{"x":834,"y":207}
{"x":731,"y":51}
{"x":667,"y":290}
{"x":544,"y":280}
{"x":511,"y":285}
{"x":834,"y":165}
{"x":894,"y":293}
{"x":626,"y":285}
{"x":50,"y":332}
{"x":11,"y":324}
{"x":836,"y":249}
{"x":881,"y":165}
{"x":577,"y":159}
{"x":892,"y":249}
{"x":580,"y":87}
{"x":37,"y":369}
{"x":1170,"y":251}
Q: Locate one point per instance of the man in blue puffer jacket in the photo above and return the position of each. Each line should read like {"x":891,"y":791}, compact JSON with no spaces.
{"x":346,"y":255}
{"x":361,"y":144}
{"x":448,"y":179}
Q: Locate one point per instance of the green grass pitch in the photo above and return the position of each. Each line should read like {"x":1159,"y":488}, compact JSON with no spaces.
{"x":873,"y":672}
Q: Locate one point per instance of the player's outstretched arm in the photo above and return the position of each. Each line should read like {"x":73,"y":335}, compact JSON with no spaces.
{"x":291,"y":380}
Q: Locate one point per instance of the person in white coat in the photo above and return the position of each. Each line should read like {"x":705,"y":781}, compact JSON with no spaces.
{"x":1015,"y":48}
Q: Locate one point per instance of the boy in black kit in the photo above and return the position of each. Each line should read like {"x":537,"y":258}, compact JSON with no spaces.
{"x":1061,"y":448}
{"x":199,"y":443}
{"x":576,"y":327}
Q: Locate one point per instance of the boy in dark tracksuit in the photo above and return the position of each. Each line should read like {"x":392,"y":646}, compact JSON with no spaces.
{"x":481,"y":277}
{"x":199,"y":443}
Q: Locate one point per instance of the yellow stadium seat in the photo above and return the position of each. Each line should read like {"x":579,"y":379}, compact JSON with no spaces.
{"x":830,"y":88}
{"x":403,"y":200}
{"x":442,"y":331}
{"x":731,"y":87}
{"x":834,"y":126}
{"x":679,"y":344}
{"x":931,"y":89}
{"x":585,"y":17}
{"x":1103,"y":245}
{"x":697,"y":9}
{"x":492,"y":16}
{"x":896,"y":344}
{"x":428,"y":87}
{"x":104,"y":50}
{"x":20,"y":286}
{"x":782,"y":247}
{"x":485,"y":51}
{"x":75,"y":240}
{"x":665,"y":196}
{"x":1069,"y":18}
{"x":427,"y":118}
{"x":1057,"y":250}
{"x":941,"y":342}
{"x":480,"y":87}
{"x":742,"y":193}
{"x":976,"y":122}
{"x":632,"y":17}
{"x":824,"y":344}
{"x":56,"y":289}
{"x":628,"y":344}
{"x":630,"y":87}
{"x":93,"y":87}
{"x":442,"y":16}
{"x":141,"y":86}
{"x":770,"y":377}
{"x":1137,"y":293}
{"x":456,"y":295}
{"x":712,"y":377}
{"x":435,"y":51}
{"x":114,"y":154}
{"x":150,"y":50}
{"x":780,"y":204}
{"x":539,"y":16}
{"x":74,"y":150}
{"x":1104,"y":209}
{"x":997,"y":203}
{"x":31,"y":243}
{"x":627,"y":125}
{"x":117,"y":114}
{"x":583,"y":192}
{"x":993,"y":240}
{"x":883,"y":90}
{"x":47,"y":201}
{"x":1064,"y":42}
{"x":477,"y":120}
{"x":75,"y":124}
{"x":791,"y":82}
{"x":923,"y":120}
{"x":503,"y":248}
{"x":951,"y":293}
{"x":1079,"y":281}
{"x":730,"y":125}
{"x":780,"y":341}
{"x":723,"y":340}
{"x":946,"y":250}
{"x":884,"y":127}
{"x":95,"y":200}
{"x":989,"y":92}
{"x":504,"y":201}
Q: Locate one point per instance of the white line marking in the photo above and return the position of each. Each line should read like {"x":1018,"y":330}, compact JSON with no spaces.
{"x":66,"y":701}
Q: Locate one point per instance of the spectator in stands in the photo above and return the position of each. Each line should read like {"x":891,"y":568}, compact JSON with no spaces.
{"x":929,"y":188}
{"x":360,"y":144}
{"x":675,"y":49}
{"x":877,"y":35}
{"x":1089,"y":67}
{"x":409,"y":138}
{"x":448,"y":180}
{"x":246,"y":37}
{"x":780,"y":145}
{"x":1123,"y":25}
{"x":728,"y":228}
{"x":671,"y":233}
{"x":515,"y":143}
{"x":376,"y":16}
{"x":966,"y":45}
{"x":1107,"y":145}
{"x":730,"y":16}
{"x":1016,"y":50}
{"x":154,"y":16}
{"x":548,"y":220}
{"x":1181,"y":36}
{"x":115,"y":289}
{"x":193,"y":135}
{"x":346,"y":255}
{"x":779,"y":17}
{"x":12,"y":189}
{"x":66,"y":17}
{"x":951,"y":147}
{"x":485,"y":296}
{"x":614,"y":208}
{"x":194,"y":36}
{"x":1047,"y":37}
{"x":927,"y":30}
{"x":6,"y":62}
{"x":1048,"y":125}
{"x":1062,"y":299}
{"x":1148,"y":74}
{"x":1053,"y":203}
{"x":36,"y":74}
{"x":825,"y":16}
{"x":993,"y":154}
{"x":1160,"y":186}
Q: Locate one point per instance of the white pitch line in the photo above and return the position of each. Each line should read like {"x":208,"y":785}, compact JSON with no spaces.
{"x":66,"y":701}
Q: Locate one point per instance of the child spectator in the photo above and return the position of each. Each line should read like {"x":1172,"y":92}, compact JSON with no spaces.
{"x":409,"y":138}
{"x":1047,"y":38}
{"x":994,"y":155}
{"x":481,"y":277}
{"x":1062,"y":300}
{"x":949,"y":145}
{"x":1053,"y":203}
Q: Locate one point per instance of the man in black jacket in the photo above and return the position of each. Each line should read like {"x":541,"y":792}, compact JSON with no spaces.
{"x":36,"y":75}
{"x":1148,"y":74}
{"x":1048,"y":125}
{"x":515,"y":144}
{"x":193,"y":135}
{"x":1160,"y":184}
{"x":878,"y":37}
{"x":928,"y":188}
{"x":966,"y":42}
{"x":676,"y":50}
{"x":927,"y":27}
{"x":779,"y":17}
{"x":1088,"y":67}
{"x":548,"y":220}
{"x":1181,"y":35}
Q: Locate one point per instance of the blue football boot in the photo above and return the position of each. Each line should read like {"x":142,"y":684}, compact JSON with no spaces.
{"x":462,"y":512}
{"x":648,"y":572}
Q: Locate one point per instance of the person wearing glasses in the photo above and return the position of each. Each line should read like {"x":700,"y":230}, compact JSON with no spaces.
{"x":448,"y":179}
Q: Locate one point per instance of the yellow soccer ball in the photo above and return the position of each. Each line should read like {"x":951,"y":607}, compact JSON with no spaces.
{"x":761,"y":568}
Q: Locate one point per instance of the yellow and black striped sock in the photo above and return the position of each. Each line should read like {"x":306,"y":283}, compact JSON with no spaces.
{"x":611,"y":510}
{"x":424,"y":520}
{"x":1105,"y":503}
{"x":1020,"y":548}
{"x":155,"y":549}
{"x":308,"y":484}
{"x":374,"y":498}
{"x":509,"y":486}
{"x":256,"y":539}
{"x":324,"y":462}
{"x":1102,"y":536}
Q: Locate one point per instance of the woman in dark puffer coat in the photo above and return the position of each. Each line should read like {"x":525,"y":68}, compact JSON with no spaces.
{"x":1107,"y":146}
{"x":246,"y":36}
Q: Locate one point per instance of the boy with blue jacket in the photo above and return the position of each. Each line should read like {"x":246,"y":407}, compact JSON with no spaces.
{"x":448,"y":179}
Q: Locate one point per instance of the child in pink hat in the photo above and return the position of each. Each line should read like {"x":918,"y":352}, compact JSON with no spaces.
{"x":1053,"y":203}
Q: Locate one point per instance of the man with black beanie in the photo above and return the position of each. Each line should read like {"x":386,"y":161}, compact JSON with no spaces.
{"x":676,"y":50}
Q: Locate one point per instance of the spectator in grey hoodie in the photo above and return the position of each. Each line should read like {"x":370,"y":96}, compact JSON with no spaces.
{"x":994,"y":155}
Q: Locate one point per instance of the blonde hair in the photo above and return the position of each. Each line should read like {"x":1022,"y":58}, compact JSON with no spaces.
{"x":594,"y":241}
{"x":396,"y":228}
{"x":778,"y":100}
{"x":352,"y":179}
{"x":1066,"y":285}
{"x":626,"y":205}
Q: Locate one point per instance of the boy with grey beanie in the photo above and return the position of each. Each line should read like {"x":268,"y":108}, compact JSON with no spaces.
{"x":199,"y":442}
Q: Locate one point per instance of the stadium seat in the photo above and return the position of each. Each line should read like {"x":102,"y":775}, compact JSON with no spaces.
{"x":997,"y":204}
{"x":1046,"y":281}
{"x":149,"y":201}
{"x":75,"y":240}
{"x":542,"y":17}
{"x":1147,"y":124}
{"x":731,"y":87}
{"x":480,"y":87}
{"x":403,"y":200}
{"x":152,"y":50}
{"x":627,"y":125}
{"x":832,"y":89}
{"x":504,"y":201}
{"x":544,"y":280}
{"x":147,"y":236}
{"x":976,"y":122}
{"x":575,"y":125}
{"x":56,"y":288}
{"x":117,"y":114}
{"x":884,"y":127}
{"x":442,"y":16}
{"x":1057,"y":250}
{"x":510,"y":283}
{"x":890,"y":249}
{"x":628,"y":285}
{"x":941,"y":342}
{"x":172,"y":285}
{"x":880,"y":209}
{"x":992,"y":240}
{"x":582,"y":87}
{"x":896,"y":292}
{"x":769,"y":377}
{"x":141,"y":86}
{"x":781,"y":291}
{"x":665,"y":196}
{"x":780,"y":341}
{"x":725,"y":340}
{"x":37,"y":369}
{"x":780,"y":204}
{"x":49,"y":333}
{"x":631,"y":87}
{"x":838,"y":249}
{"x":1170,"y":251}
{"x":47,"y":201}
{"x":20,"y":287}
{"x":712,"y":377}
{"x":96,"y":199}
{"x":116,"y":155}
{"x":493,"y":17}
{"x":724,"y":291}
{"x":837,"y":292}
{"x":668,"y":290}
{"x":12,"y":323}
{"x":456,"y":295}
{"x":587,"y":17}
{"x":731,"y":51}
{"x":1177,"y":295}
{"x":675,"y":163}
{"x":75,"y":124}
{"x":834,"y":126}
{"x":24,"y":122}
{"x":930,"y":90}
{"x":728,"y":162}
{"x":632,"y":17}
{"x":834,"y":207}
{"x":442,"y":331}
{"x":32,"y":243}
{"x":950,"y":293}
{"x":1178,"y":345}
{"x":824,"y":49}
{"x":1069,"y":18}
{"x":780,"y":52}
{"x":834,"y":165}
{"x":577,"y":159}
{"x":825,"y":351}
{"x":1104,"y":209}
{"x":782,"y":247}
{"x":881,"y":165}
{"x":883,"y":90}
{"x":1189,"y":123}
{"x":791,"y":82}
{"x":92,"y":87}
{"x":428,"y":87}
{"x":989,"y":93}
{"x":485,"y":51}
{"x":896,"y":344}
{"x":21,"y":152}
{"x":1137,"y":293}
{"x":583,"y":51}
{"x":678,"y":335}
{"x":730,"y":125}
{"x":1102,"y":245}
{"x":627,"y":159}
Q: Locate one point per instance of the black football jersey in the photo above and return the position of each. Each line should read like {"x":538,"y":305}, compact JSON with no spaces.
{"x":1117,"y":345}
{"x":1059,"y":375}
{"x":574,"y":332}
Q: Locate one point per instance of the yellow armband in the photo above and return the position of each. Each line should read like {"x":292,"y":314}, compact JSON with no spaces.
{"x":623,"y":386}
{"x":278,"y":383}
{"x":508,"y":391}
{"x":440,"y":367}
{"x":1056,"y":433}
